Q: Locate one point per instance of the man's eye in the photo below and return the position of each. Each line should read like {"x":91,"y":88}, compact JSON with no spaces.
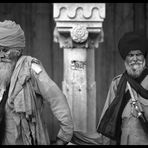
{"x":139,"y":54}
{"x":5,"y":50}
{"x":130,"y":55}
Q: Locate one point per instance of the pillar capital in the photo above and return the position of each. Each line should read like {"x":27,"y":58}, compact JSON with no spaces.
{"x":78,"y":24}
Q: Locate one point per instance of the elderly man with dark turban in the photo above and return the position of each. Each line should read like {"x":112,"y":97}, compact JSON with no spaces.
{"x":124,"y":119}
{"x":24,"y":88}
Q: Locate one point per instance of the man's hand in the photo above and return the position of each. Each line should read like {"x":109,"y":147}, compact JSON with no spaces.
{"x":61,"y":142}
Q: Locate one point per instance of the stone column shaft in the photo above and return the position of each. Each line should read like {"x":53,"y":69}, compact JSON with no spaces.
{"x":79,"y":31}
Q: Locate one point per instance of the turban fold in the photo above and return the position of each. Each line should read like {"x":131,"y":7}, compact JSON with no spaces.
{"x":132,"y":41}
{"x":11,"y":34}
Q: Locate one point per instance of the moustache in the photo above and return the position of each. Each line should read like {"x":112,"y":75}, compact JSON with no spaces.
{"x":137,"y":62}
{"x":5,"y":60}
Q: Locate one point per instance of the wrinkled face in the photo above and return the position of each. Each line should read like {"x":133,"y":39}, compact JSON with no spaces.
{"x":8,"y":58}
{"x":8,"y":54}
{"x":135,"y":63}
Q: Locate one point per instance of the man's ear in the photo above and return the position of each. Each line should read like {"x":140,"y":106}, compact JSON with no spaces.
{"x":19,"y":52}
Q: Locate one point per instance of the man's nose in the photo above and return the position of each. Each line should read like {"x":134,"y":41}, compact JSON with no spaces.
{"x":134,"y":57}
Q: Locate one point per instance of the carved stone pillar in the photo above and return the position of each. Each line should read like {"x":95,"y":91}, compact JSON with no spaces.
{"x":79,"y":31}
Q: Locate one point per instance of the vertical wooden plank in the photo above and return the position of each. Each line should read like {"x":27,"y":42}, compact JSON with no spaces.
{"x":146,"y":13}
{"x":23,"y":16}
{"x":146,"y":17}
{"x":140,"y":17}
{"x":104,"y":57}
{"x":41,"y":37}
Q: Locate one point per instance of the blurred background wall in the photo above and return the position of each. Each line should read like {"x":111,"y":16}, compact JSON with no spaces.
{"x":36,"y":19}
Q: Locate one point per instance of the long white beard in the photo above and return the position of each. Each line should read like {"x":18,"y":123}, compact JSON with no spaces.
{"x":135,"y":70}
{"x":6,"y":70}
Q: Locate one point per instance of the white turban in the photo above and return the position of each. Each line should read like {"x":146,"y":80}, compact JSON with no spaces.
{"x":11,"y":34}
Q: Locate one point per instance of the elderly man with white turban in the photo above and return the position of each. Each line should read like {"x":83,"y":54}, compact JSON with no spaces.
{"x":24,"y":87}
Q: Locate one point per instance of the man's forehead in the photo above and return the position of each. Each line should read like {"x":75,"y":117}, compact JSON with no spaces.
{"x":134,"y":51}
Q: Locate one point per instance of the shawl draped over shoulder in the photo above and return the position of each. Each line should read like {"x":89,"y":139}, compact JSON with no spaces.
{"x":23,"y":102}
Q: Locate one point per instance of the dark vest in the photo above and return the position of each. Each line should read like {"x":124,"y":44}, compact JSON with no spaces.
{"x":2,"y":115}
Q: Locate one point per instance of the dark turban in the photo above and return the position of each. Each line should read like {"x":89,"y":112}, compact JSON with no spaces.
{"x":132,"y":41}
{"x":11,"y":34}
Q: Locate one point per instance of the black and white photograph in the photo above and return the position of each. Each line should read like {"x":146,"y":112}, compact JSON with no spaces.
{"x":73,"y":73}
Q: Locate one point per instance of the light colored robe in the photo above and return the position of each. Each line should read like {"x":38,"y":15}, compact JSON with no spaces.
{"x":28,"y":90}
{"x":132,"y":132}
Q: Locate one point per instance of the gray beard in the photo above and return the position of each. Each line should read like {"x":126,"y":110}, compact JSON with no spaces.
{"x":6,"y":70}
{"x":135,"y":72}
